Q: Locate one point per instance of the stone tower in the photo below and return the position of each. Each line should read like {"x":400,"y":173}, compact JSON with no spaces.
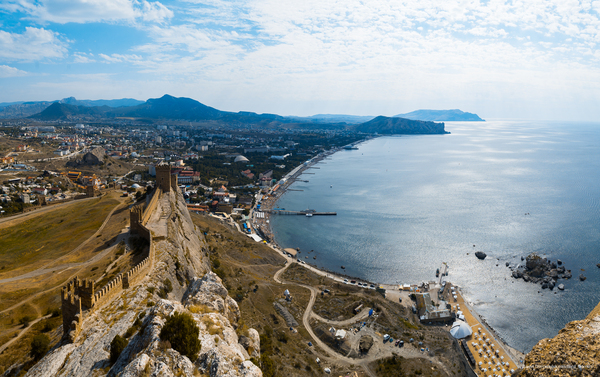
{"x":163,"y":177}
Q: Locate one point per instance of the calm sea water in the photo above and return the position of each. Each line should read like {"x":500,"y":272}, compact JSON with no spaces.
{"x":406,"y":204}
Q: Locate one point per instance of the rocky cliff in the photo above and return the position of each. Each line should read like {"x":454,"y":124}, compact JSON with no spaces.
{"x":180,"y":281}
{"x":575,"y":351}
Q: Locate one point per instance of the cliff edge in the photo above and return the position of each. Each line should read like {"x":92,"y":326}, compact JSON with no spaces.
{"x":179,"y":280}
{"x":575,"y":351}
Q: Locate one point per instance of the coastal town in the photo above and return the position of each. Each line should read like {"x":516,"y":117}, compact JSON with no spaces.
{"x":240,"y":184}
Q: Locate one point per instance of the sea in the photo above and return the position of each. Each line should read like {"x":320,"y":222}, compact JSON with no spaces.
{"x":406,"y":204}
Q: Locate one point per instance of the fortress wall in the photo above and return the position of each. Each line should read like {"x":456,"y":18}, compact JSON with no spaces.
{"x":151,"y":207}
{"x":78,"y":292}
{"x":109,"y":291}
{"x":71,"y":311}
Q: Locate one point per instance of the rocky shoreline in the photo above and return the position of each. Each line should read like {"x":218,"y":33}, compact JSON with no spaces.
{"x":542,"y":270}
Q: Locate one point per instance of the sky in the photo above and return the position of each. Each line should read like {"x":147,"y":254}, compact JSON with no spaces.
{"x":531,"y":59}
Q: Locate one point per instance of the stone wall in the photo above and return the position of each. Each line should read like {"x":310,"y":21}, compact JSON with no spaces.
{"x":79,"y":295}
{"x":163,"y":177}
{"x":71,"y":311}
{"x":140,"y":214}
{"x":174,"y":182}
{"x":151,"y":205}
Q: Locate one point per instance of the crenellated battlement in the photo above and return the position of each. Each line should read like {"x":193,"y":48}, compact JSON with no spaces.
{"x":71,"y":310}
{"x":163,"y":177}
{"x":79,"y":296}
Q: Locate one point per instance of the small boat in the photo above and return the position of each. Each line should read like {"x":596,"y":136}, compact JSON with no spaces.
{"x":309,"y":215}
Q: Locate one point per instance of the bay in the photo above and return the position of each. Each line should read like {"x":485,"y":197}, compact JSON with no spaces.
{"x":405,"y":204}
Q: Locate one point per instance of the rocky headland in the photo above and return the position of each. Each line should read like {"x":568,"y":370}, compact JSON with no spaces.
{"x":541,"y":271}
{"x":573,"y":352}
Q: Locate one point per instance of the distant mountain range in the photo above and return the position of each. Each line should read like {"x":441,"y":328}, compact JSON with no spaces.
{"x":186,"y":109}
{"x":441,"y":116}
{"x":25,"y":109}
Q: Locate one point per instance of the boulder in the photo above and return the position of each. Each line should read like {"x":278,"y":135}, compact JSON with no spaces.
{"x":517,"y":274}
{"x":209,"y":291}
{"x":534,"y":261}
{"x":481,"y":255}
{"x":561,"y":287}
{"x":581,"y":277}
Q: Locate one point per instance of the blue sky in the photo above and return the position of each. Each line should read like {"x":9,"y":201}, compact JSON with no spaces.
{"x":534,"y":59}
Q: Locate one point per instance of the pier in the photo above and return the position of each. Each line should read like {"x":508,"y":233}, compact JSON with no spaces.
{"x":305,"y":212}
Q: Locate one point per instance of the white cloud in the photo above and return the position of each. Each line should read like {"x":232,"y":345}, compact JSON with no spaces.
{"x":33,"y":44}
{"x":82,"y":11}
{"x":119,"y":58}
{"x":6,"y":71}
{"x":82,"y":57}
{"x":401,"y":52}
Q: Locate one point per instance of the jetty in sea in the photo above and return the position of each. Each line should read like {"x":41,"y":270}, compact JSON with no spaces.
{"x":306,"y":212}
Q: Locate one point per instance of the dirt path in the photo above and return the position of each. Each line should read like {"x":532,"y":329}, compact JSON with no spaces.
{"x":376,"y":353}
{"x":7,"y":221}
{"x":79,"y":266}
{"x":357,"y":318}
{"x":47,"y":268}
{"x":23,"y":331}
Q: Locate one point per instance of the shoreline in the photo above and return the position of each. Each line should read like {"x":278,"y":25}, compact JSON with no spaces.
{"x":269,"y":201}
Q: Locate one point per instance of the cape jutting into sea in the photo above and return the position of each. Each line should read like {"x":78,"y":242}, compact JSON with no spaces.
{"x":405,"y":204}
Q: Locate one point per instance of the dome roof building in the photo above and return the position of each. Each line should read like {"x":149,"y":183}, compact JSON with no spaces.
{"x":241,"y":158}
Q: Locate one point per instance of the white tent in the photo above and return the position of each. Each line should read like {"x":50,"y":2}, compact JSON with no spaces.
{"x":460,"y":330}
{"x":340,"y":334}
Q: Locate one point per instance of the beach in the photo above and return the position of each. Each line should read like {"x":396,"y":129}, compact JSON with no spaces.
{"x":269,"y":202}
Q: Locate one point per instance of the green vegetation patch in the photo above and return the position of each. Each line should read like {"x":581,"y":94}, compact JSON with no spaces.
{"x":181,"y":331}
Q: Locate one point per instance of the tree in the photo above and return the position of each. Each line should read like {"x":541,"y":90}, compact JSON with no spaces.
{"x":181,"y":331}
{"x":40,"y":346}
{"x":117,"y":346}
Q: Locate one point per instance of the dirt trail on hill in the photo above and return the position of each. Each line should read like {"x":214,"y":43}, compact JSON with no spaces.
{"x":13,"y":220}
{"x":47,"y":268}
{"x":379,"y":351}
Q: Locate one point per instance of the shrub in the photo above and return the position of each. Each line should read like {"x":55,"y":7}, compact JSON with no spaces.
{"x":40,"y":346}
{"x":117,"y":346}
{"x":25,"y":321}
{"x":56,"y":312}
{"x":182,"y":332}
{"x":168,"y":286}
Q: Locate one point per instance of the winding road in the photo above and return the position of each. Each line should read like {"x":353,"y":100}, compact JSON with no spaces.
{"x":377,"y":352}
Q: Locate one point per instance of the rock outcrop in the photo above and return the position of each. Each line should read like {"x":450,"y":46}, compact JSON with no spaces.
{"x":480,"y":255}
{"x":573,"y":352}
{"x":93,"y":157}
{"x":139,"y":314}
{"x":541,"y":270}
